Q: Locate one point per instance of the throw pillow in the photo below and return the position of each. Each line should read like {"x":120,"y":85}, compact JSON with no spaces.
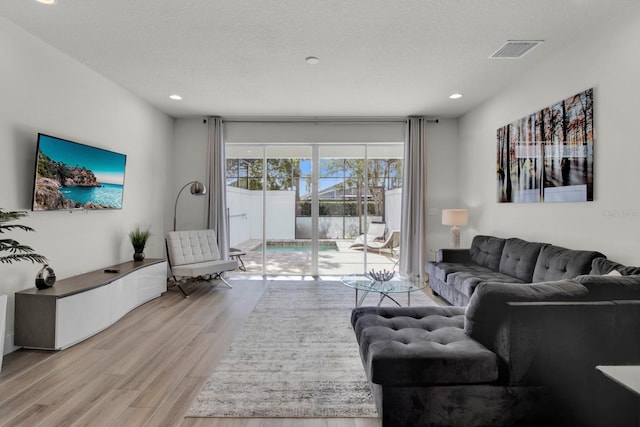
{"x":602,"y":266}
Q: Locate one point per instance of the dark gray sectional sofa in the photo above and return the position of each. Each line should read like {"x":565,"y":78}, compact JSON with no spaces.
{"x":519,"y":354}
{"x":458,"y":272}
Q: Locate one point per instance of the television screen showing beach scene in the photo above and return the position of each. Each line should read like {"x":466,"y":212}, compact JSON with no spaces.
{"x":70,"y":176}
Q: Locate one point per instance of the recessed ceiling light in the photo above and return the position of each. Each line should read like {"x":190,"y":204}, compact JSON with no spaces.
{"x":46,"y":1}
{"x":312,"y":60}
{"x":455,"y":96}
{"x":175,"y":97}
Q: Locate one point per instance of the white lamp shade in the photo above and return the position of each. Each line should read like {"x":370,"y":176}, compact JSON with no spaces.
{"x":455,"y":216}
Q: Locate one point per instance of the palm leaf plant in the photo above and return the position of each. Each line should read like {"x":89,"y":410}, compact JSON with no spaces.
{"x":17,"y":251}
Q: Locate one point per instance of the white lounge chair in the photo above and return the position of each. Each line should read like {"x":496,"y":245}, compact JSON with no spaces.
{"x":195,"y":254}
{"x":375,"y":232}
{"x":391,"y":243}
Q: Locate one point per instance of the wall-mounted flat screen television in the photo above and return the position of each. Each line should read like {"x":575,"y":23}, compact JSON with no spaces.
{"x":72,"y":176}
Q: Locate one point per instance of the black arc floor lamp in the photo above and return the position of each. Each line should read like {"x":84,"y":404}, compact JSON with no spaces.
{"x":197,"y":189}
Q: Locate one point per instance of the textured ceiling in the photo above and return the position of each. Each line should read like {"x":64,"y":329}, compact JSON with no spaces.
{"x":246,"y":58}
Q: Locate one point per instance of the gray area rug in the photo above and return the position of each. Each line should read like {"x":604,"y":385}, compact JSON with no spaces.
{"x":295,"y":357}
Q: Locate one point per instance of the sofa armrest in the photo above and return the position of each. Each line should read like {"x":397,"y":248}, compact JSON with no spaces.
{"x":488,"y":307}
{"x":555,"y":343}
{"x":626,"y":332}
{"x":558,"y":345}
{"x":459,"y":256}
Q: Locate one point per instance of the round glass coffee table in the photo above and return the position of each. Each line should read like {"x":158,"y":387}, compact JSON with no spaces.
{"x":363,"y":284}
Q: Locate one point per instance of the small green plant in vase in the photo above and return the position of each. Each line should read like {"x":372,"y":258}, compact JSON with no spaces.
{"x":139,"y":240}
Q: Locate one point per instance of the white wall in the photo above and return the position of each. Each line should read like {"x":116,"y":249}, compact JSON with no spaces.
{"x":46,"y":91}
{"x":603,"y":59}
{"x":443,"y":171}
{"x":309,"y":132}
{"x":190,"y":163}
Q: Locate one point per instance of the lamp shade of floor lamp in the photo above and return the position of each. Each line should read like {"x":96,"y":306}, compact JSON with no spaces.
{"x":455,"y":217}
{"x":197,"y":189}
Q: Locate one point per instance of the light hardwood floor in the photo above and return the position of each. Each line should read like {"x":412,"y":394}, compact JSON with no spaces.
{"x":145,"y":370}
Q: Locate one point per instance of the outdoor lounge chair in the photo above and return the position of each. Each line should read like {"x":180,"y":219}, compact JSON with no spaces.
{"x":375,"y":233}
{"x":392,"y":241}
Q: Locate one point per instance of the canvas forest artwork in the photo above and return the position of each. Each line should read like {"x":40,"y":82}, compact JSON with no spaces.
{"x":548,"y":155}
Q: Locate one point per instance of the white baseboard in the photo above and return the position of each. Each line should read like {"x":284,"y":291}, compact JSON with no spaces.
{"x":8,"y":344}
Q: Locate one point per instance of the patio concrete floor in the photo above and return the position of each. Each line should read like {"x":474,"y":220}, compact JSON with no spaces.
{"x":331,"y":263}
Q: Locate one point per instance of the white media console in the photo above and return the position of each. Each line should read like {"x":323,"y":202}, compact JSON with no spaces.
{"x":79,"y":307}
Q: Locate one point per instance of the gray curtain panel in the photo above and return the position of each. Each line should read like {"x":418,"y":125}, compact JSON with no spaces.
{"x":217,"y":208}
{"x":413,"y":239}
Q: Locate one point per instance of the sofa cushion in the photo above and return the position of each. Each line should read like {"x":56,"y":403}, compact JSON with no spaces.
{"x":441,"y":270}
{"x":601,"y":266}
{"x":488,"y":305}
{"x":455,"y":255}
{"x":557,"y":263}
{"x":468,"y":279}
{"x":363,"y":318}
{"x":519,"y":258}
{"x":611,"y":287}
{"x":487,"y":251}
{"x":404,"y":347}
{"x":448,"y":315}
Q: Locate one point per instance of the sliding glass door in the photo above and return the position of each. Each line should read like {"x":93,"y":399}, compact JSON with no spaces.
{"x":314,"y":209}
{"x":287,"y":241}
{"x":341,"y":190}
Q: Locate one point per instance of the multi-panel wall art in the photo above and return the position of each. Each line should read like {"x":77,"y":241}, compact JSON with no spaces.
{"x":548,"y":156}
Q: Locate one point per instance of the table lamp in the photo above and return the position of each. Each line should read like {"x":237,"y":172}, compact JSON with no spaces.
{"x":455,"y":217}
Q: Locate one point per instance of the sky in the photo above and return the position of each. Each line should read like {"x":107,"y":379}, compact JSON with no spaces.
{"x":108,"y":166}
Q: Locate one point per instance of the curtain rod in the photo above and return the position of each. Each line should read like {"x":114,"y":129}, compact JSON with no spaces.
{"x":292,"y":121}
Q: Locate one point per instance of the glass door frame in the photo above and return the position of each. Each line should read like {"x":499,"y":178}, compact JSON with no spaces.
{"x":315,"y":148}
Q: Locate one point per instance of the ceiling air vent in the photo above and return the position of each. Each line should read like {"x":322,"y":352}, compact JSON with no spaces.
{"x":514,"y":49}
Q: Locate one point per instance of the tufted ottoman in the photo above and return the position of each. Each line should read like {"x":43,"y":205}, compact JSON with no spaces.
{"x":424,"y":369}
{"x":420,"y":346}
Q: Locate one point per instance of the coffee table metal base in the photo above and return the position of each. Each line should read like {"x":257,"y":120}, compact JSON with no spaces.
{"x":364,"y":284}
{"x":383,"y":295}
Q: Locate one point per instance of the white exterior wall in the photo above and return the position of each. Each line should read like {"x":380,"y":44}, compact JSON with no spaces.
{"x":242,"y":210}
{"x":280,"y":215}
{"x":245,"y":214}
{"x":393,"y":209}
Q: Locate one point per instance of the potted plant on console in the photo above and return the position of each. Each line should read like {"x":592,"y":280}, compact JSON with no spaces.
{"x":16,"y":252}
{"x":139,"y":240}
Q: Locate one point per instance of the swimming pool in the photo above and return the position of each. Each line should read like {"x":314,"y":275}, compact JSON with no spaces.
{"x":293,"y":246}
